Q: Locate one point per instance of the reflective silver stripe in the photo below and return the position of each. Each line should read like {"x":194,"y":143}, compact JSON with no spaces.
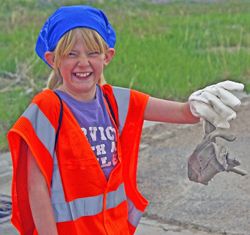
{"x":115,"y":198}
{"x":122,"y":96}
{"x":88,"y":206}
{"x":134,"y":215}
{"x":42,"y":126}
{"x":80,"y":207}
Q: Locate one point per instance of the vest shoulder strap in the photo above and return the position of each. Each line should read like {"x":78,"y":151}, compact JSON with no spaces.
{"x":119,"y":99}
{"x":59,"y":118}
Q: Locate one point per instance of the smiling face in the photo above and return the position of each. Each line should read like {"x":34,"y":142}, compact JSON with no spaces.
{"x":81,"y":69}
{"x":81,"y":62}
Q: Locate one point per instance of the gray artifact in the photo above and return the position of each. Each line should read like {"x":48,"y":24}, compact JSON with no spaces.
{"x":210,"y":158}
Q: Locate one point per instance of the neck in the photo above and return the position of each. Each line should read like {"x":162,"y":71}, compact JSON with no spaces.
{"x":80,"y":96}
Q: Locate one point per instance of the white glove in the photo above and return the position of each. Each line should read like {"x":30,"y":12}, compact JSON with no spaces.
{"x":216,"y":103}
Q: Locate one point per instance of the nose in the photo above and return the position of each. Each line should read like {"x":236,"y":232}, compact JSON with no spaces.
{"x":83,"y":60}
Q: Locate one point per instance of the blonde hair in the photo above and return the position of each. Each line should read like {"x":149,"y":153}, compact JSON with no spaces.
{"x":93,"y":42}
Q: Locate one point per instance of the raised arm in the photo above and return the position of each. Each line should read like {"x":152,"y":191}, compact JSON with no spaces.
{"x":216,"y":103}
{"x":168,"y":111}
{"x":39,"y":198}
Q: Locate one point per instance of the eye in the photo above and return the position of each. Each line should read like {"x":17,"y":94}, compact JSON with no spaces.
{"x":72,"y":54}
{"x":93,"y":53}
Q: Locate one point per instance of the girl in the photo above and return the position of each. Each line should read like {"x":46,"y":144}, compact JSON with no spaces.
{"x":75,"y":148}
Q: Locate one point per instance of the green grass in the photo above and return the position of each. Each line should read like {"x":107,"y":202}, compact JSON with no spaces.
{"x":166,"y":50}
{"x":11,"y":106}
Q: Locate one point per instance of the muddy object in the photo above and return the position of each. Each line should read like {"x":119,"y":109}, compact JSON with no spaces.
{"x":210,"y":158}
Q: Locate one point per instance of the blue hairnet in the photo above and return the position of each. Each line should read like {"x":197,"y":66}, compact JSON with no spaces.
{"x":69,"y":17}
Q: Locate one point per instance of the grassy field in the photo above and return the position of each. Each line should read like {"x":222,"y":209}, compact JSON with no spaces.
{"x":166,"y":50}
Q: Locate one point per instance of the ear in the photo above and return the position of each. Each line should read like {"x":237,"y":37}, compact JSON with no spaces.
{"x":110,"y":53}
{"x":49,"y":56}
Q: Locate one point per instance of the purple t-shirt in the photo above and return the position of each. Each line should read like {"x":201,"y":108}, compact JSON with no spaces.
{"x":95,"y":122}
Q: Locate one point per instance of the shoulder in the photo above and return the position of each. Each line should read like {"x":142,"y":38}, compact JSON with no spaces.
{"x":130,"y":104}
{"x":46,"y":98}
{"x":48,"y":104}
{"x":125,"y":94}
{"x":116,"y":90}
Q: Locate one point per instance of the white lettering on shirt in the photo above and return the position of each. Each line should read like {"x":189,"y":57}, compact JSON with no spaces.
{"x":105,"y":134}
{"x":92,"y":132}
{"x":101,"y":129}
{"x":110,"y":132}
{"x":104,"y":162}
{"x":84,"y":131}
{"x":100,"y":149}
{"x":113,"y":147}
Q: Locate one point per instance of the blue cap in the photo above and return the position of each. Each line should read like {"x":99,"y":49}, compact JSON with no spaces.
{"x":67,"y":18}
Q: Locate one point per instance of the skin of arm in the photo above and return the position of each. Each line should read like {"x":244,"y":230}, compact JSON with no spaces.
{"x":160,"y":110}
{"x":39,"y":198}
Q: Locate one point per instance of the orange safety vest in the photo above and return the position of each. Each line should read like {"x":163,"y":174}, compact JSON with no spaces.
{"x":73,"y":175}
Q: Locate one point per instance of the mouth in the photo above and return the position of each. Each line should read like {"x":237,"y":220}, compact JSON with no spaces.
{"x":82,"y":75}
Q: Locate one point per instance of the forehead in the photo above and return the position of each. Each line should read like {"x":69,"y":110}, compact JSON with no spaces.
{"x":85,"y":38}
{"x":78,"y":41}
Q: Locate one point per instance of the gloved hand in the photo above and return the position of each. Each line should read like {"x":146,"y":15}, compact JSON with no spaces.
{"x":210,"y":158}
{"x":216,"y":103}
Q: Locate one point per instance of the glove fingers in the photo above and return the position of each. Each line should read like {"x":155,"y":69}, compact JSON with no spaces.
{"x":231,"y":85}
{"x":208,"y":113}
{"x":225,"y":96}
{"x":221,"y":108}
{"x":197,"y":96}
{"x":216,"y":103}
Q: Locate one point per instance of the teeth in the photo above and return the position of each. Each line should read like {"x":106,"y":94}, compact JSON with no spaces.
{"x":82,"y":75}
